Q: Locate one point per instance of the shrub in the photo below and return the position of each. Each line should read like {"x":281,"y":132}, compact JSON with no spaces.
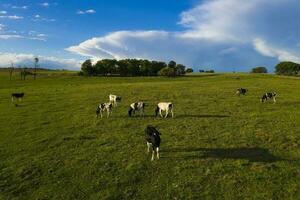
{"x":259,"y":70}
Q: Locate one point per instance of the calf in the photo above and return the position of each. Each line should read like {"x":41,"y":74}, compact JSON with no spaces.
{"x":104,"y":107}
{"x":240,"y":91}
{"x":114,"y":99}
{"x":153,"y":140}
{"x":18,"y":96}
{"x":136,"y":107}
{"x":269,"y":95}
{"x":164,"y":106}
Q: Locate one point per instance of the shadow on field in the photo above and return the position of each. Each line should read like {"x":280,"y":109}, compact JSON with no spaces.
{"x":250,"y":154}
{"x":202,"y":116}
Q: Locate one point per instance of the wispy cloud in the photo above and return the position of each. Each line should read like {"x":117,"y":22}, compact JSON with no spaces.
{"x":20,"y":7}
{"x":44,"y":61}
{"x":15,"y":36}
{"x":3,"y":12}
{"x":38,"y":17}
{"x":10,"y":17}
{"x":45,"y":4}
{"x":83,"y":12}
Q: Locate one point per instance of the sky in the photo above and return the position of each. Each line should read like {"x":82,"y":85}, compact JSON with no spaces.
{"x":224,"y":35}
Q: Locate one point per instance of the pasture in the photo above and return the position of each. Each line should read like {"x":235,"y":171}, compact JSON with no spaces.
{"x":217,"y":146}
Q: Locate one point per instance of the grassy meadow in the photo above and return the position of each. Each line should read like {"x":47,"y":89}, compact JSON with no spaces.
{"x":217,"y":146}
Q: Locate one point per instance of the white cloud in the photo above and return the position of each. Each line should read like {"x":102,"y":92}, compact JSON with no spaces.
{"x":45,"y":4}
{"x":15,"y":36}
{"x":265,"y":49}
{"x":91,"y":11}
{"x":37,"y":16}
{"x":44,"y":61}
{"x":19,"y":7}
{"x":82,"y":12}
{"x":3,"y":12}
{"x":11,"y":17}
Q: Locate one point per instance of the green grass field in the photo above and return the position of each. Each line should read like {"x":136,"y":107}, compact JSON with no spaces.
{"x":218,"y":145}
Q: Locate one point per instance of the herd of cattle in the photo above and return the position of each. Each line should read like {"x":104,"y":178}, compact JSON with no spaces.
{"x":167,"y":107}
{"x":152,"y":136}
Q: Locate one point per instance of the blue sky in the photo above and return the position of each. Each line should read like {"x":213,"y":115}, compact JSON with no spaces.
{"x":224,"y":35}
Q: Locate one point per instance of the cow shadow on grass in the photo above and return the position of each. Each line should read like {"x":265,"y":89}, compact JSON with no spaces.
{"x":243,"y":153}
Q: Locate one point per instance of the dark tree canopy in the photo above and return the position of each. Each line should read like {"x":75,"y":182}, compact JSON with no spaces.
{"x":131,"y":67}
{"x":287,"y":68}
{"x":259,"y":70}
{"x":189,"y":70}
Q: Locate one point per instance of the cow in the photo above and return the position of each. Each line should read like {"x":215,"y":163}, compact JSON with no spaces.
{"x":136,"y":107}
{"x":18,"y":96}
{"x":152,"y":137}
{"x":269,"y":95}
{"x":104,"y":107}
{"x":114,"y":99}
{"x":240,"y":91}
{"x":164,"y":106}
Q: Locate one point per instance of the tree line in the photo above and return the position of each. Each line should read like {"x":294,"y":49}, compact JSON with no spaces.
{"x":131,"y":67}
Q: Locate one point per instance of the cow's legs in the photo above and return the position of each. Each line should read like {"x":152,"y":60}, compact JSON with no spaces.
{"x":152,"y":158}
{"x":157,"y":152}
{"x":274,"y":99}
{"x":160,"y":113}
{"x":148,"y":147}
{"x":12,"y":99}
{"x":101,"y":113}
{"x":172,"y":113}
{"x":167,"y":112}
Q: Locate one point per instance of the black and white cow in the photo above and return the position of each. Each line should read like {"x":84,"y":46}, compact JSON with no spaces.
{"x":153,"y":140}
{"x":104,"y":107}
{"x":240,"y":91}
{"x":164,"y":106}
{"x":114,"y":99}
{"x":269,"y":95}
{"x":18,"y":96}
{"x":136,"y":107}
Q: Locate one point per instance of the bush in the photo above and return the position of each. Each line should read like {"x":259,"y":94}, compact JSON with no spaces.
{"x":167,"y":71}
{"x":259,"y":70}
{"x":189,"y":70}
{"x":287,"y":68}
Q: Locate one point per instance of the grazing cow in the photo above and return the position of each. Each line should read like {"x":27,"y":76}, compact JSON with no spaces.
{"x":102,"y":107}
{"x":153,"y":140}
{"x":136,"y":107}
{"x":18,"y":96}
{"x":269,"y":95}
{"x":114,"y":99}
{"x":240,"y":91}
{"x":164,"y":106}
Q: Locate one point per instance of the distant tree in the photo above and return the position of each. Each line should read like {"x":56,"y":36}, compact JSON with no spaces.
{"x":87,"y":68}
{"x":172,"y":64}
{"x":180,"y":69}
{"x":210,"y":71}
{"x":259,"y":70}
{"x":287,"y":68}
{"x":189,"y":70}
{"x":36,"y":60}
{"x":201,"y":70}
